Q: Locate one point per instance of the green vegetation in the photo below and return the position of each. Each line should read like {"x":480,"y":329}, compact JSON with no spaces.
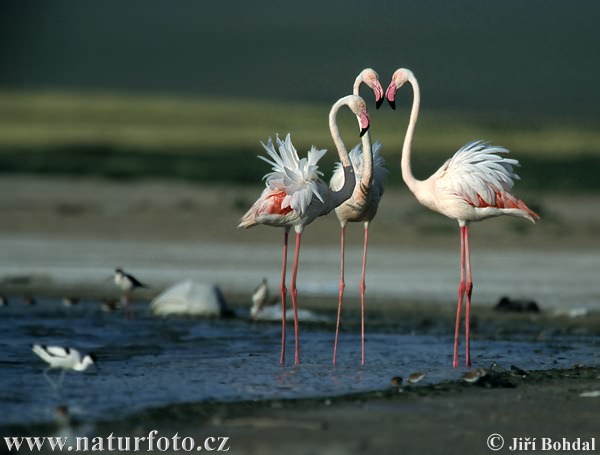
{"x":205,"y":139}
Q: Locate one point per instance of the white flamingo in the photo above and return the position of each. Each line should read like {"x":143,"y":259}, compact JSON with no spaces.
{"x":473,"y":185}
{"x":362,"y":205}
{"x":295,"y":195}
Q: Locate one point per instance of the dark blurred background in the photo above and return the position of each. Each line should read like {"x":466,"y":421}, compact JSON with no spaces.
{"x":147,"y":88}
{"x":533,"y":56}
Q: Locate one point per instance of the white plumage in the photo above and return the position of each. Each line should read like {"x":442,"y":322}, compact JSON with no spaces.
{"x":358,"y":163}
{"x":295,"y":195}
{"x":476,"y":170}
{"x":473,"y":185}
{"x":61,"y":357}
{"x":297,"y":177}
{"x":267,"y":308}
{"x":361,"y":206}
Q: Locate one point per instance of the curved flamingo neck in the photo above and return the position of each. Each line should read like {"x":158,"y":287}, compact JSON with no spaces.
{"x":338,"y":197}
{"x":366,"y":179}
{"x":407,"y":174}
{"x":356,"y":86}
{"x":335,"y":133}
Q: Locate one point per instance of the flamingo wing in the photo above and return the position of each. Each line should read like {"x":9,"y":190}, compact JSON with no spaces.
{"x":357,"y":159}
{"x":296,"y":177}
{"x":481,"y":176}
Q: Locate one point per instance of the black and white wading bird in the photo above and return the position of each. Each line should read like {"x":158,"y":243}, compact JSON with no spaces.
{"x":127,"y":283}
{"x":58,"y":357}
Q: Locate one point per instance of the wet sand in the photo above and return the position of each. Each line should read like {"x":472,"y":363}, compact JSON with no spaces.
{"x":52,"y":219}
{"x":448,"y":417}
{"x":66,"y":235}
{"x":451,"y":417}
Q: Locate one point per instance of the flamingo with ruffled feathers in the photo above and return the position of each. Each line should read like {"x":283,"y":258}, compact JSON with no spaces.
{"x":295,"y":195}
{"x":473,"y":185}
{"x":362,"y":205}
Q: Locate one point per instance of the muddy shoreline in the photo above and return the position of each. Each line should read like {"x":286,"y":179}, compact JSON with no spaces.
{"x":447,"y":417}
{"x":164,"y":231}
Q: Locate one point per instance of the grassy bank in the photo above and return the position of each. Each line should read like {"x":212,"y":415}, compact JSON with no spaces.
{"x":206,"y":140}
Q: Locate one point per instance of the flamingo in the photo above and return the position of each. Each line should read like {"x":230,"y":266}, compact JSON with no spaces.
{"x":295,"y":195}
{"x":362,"y":205}
{"x":473,"y":185}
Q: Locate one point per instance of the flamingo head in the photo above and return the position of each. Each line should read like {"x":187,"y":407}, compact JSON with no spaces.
{"x":370,"y":77}
{"x":359,"y":107}
{"x":399,"y":78}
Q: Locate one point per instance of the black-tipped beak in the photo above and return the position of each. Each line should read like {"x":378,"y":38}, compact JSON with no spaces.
{"x":378,"y":103}
{"x":364,"y":130}
{"x":392,"y":103}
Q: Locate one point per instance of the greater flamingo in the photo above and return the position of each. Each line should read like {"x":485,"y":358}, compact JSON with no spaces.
{"x":295,"y":195}
{"x":362,"y":205}
{"x":473,"y":185}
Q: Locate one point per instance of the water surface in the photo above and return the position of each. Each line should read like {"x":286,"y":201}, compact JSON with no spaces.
{"x":149,"y":361}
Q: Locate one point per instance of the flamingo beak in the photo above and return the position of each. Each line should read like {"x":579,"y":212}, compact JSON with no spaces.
{"x":390,"y":94}
{"x":378,"y":90}
{"x":365,"y":122}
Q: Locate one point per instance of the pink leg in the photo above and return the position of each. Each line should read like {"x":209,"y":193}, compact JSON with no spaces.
{"x":341,"y":297}
{"x":283,"y":294}
{"x":294,"y":294}
{"x":461,"y":294}
{"x":468,"y":290}
{"x":363,"y":287}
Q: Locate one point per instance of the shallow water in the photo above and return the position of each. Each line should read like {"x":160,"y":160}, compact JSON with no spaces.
{"x":148,"y":361}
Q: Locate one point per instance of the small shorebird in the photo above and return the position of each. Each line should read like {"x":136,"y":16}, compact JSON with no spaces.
{"x":127,"y":283}
{"x":108,"y":305}
{"x":265,"y":307}
{"x":261,"y":299}
{"x":70,"y":301}
{"x":64,"y":358}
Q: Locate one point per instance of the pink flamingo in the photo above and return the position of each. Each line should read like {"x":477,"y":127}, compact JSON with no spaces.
{"x":473,"y":185}
{"x":362,"y":205}
{"x":295,"y":196}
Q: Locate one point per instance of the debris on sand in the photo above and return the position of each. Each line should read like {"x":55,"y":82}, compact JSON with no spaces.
{"x":508,"y":305}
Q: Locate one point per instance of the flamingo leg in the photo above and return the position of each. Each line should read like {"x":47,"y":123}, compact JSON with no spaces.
{"x":363,"y":287}
{"x":461,"y":294}
{"x":341,"y":297}
{"x":294,"y":295}
{"x":283,"y":294}
{"x":468,"y":291}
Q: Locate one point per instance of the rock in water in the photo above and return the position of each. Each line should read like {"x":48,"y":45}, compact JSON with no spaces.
{"x":191,"y":298}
